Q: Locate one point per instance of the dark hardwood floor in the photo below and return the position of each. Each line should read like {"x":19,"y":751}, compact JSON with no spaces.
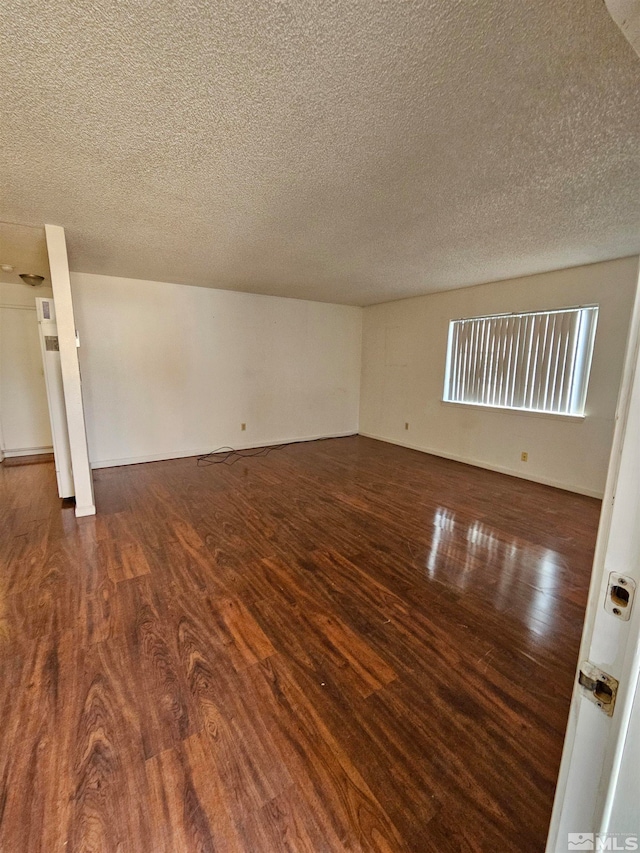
{"x":342,"y":646}
{"x":36,"y":459}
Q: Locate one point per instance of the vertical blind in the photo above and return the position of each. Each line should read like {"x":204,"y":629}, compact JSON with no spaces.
{"x":537,"y":361}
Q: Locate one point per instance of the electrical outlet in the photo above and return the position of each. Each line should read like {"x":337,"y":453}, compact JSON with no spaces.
{"x":243,"y":427}
{"x":406,"y":426}
{"x":524,"y":456}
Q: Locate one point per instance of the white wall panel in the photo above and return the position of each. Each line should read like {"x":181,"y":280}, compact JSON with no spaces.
{"x":170,"y":370}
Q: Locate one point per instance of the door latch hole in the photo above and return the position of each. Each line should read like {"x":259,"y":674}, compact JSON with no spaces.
{"x":620,"y":596}
{"x":620,"y":593}
{"x":603,"y":693}
{"x":598,"y":687}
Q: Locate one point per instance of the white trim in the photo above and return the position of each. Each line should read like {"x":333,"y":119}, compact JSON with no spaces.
{"x":539,"y":312}
{"x":182,"y":454}
{"x":82,"y":511}
{"x":626,"y":14}
{"x":476,"y":463}
{"x":55,"y":396}
{"x":512,"y":411}
{"x":594,"y":745}
{"x":18,"y":307}
{"x":26,"y":451}
{"x":69,"y":364}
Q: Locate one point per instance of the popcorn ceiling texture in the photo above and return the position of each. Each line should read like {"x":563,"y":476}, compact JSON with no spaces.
{"x":349,"y":151}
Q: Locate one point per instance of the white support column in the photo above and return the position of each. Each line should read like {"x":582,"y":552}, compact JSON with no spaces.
{"x":61,"y":283}
{"x":1,"y":436}
{"x":626,"y":14}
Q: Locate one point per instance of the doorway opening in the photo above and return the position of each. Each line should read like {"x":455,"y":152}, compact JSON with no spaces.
{"x":33,"y":428}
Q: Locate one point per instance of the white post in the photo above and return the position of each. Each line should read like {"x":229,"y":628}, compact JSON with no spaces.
{"x":1,"y":436}
{"x":626,"y":14}
{"x":61,"y":283}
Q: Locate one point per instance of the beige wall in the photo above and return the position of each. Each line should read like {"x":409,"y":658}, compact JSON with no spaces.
{"x":403,"y":361}
{"x":171,"y":370}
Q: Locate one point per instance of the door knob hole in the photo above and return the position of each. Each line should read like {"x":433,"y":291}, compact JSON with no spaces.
{"x":619,"y":596}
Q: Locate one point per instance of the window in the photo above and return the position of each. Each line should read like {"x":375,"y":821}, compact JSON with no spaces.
{"x":534,"y":362}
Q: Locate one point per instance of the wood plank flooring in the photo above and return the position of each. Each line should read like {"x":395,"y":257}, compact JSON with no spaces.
{"x":342,"y":646}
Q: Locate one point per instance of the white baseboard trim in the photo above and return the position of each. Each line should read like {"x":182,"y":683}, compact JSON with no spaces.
{"x":82,"y":511}
{"x":26,"y":451}
{"x":182,"y":454}
{"x":545,"y":481}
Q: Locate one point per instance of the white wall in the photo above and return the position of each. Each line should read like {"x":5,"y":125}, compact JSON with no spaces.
{"x":170,"y":370}
{"x":403,"y":361}
{"x":24,"y":414}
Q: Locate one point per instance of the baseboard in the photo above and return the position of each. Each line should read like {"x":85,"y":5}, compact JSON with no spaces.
{"x":182,"y":454}
{"x":26,"y":451}
{"x":487,"y":467}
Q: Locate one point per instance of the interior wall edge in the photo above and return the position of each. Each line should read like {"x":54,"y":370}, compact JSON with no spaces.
{"x":477,"y":463}
{"x":170,"y":370}
{"x":185,"y":454}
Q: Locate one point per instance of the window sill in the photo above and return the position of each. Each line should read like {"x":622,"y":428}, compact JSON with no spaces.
{"x":528,"y":412}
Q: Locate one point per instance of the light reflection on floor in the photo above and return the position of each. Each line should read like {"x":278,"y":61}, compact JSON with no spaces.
{"x":528,"y":583}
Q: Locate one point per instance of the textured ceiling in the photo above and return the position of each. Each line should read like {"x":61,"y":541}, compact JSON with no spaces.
{"x":343,"y":150}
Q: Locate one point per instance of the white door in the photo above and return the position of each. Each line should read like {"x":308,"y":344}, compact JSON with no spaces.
{"x":55,"y":394}
{"x":597,"y":805}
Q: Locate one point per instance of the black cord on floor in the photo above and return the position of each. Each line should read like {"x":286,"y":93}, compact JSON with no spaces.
{"x":231,"y":456}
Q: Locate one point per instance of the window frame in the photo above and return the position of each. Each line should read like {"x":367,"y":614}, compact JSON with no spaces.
{"x":586,"y":354}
